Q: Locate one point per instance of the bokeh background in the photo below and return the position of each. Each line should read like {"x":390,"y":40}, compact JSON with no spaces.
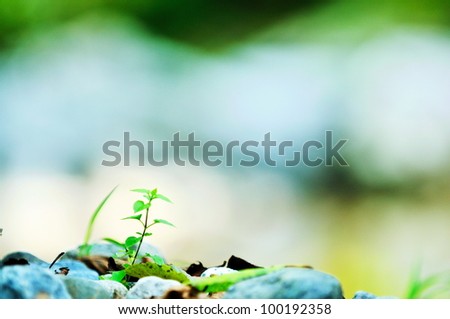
{"x":75,"y":74}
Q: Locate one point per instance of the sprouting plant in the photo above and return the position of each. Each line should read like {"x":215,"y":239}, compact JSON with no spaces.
{"x":434,"y":286}
{"x":141,"y":210}
{"x":86,"y":247}
{"x":140,"y":206}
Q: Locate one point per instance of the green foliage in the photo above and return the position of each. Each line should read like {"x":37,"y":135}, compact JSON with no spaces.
{"x":85,"y":248}
{"x":144,"y":205}
{"x":434,"y":286}
{"x":126,"y":248}
{"x":155,"y":269}
{"x":118,"y":276}
{"x":163,"y":221}
{"x":132,"y":244}
{"x":157,"y":259}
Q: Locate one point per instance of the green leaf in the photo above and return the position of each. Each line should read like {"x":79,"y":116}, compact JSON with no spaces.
{"x":114,"y":242}
{"x":157,"y":259}
{"x":153,"y":269}
{"x":138,"y":206}
{"x":138,"y":217}
{"x":154,"y":192}
{"x":145,"y":234}
{"x":163,"y":221}
{"x":131,"y":241}
{"x":164,"y":198}
{"x":141,"y":190}
{"x":118,"y":275}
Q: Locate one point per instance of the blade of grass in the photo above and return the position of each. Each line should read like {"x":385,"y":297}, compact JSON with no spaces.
{"x":94,"y":216}
{"x":415,"y":282}
{"x":429,"y":287}
{"x":435,"y":285}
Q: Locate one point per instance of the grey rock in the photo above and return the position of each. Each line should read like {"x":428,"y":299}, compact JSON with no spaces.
{"x":29,"y":282}
{"x":20,"y":255}
{"x":288,"y":283}
{"x":367,"y":295}
{"x":77,"y":269}
{"x":115,"y":289}
{"x":151,"y":287}
{"x":364,"y":295}
{"x":81,"y":288}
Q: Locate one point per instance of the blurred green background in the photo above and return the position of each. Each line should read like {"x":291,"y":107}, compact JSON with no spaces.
{"x":76,"y":74}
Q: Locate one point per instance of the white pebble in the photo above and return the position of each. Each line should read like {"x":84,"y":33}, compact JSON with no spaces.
{"x":217,"y":271}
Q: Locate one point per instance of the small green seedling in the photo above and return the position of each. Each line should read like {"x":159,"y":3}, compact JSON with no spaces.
{"x":141,"y":210}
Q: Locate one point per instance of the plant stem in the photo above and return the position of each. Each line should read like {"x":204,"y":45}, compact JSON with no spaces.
{"x":142,"y":236}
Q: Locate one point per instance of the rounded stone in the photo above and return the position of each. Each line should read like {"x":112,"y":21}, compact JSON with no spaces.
{"x":81,"y":288}
{"x":288,"y":283}
{"x":151,"y":287}
{"x":31,"y":282}
{"x":217,"y":271}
